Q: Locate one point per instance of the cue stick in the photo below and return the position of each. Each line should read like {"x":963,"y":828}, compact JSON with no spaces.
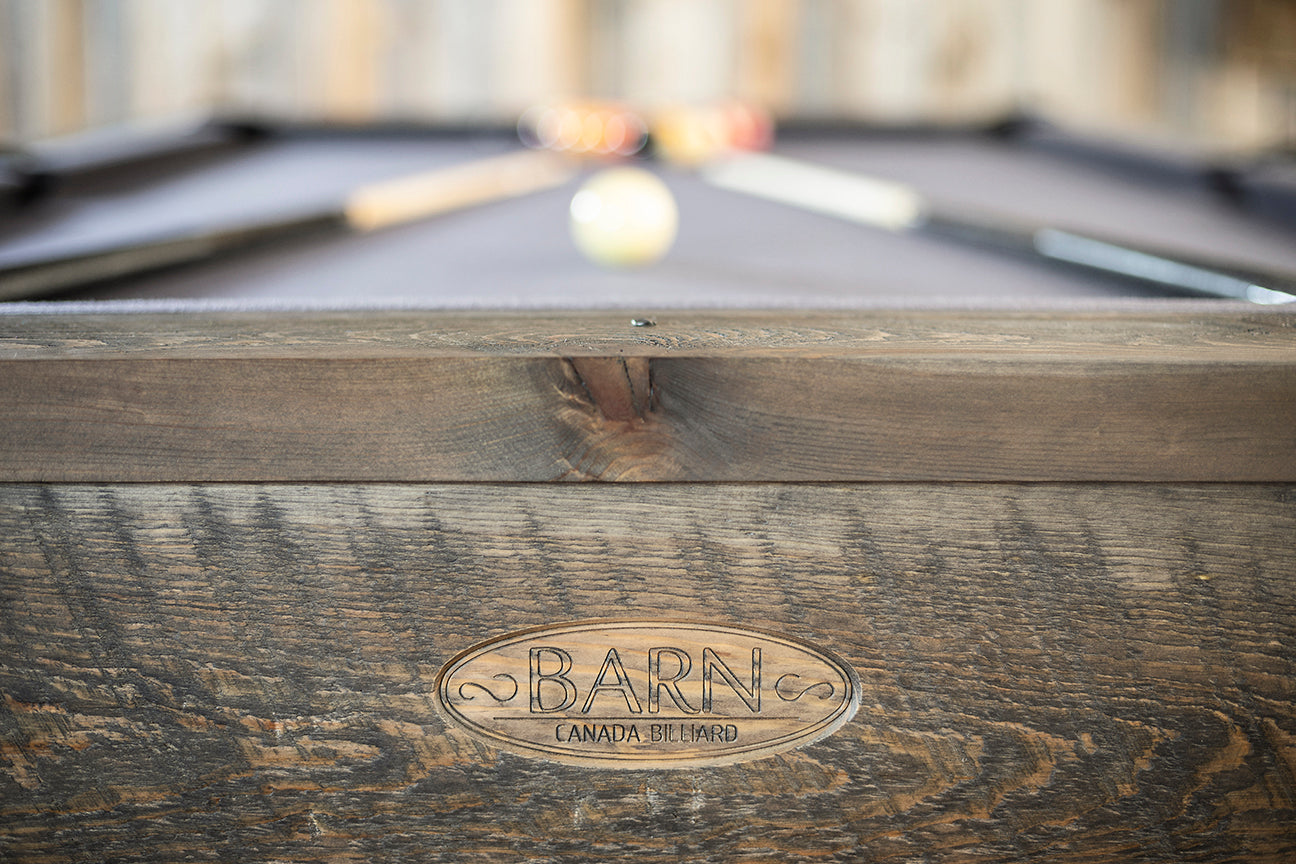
{"x":367,"y":208}
{"x":896,"y":207}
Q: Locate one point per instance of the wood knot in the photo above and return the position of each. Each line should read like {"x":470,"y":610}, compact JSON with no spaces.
{"x":619,"y":387}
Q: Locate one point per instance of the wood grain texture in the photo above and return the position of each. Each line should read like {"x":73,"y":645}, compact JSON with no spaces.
{"x":1209,"y":331}
{"x":1049,"y":672}
{"x":1187,"y":396}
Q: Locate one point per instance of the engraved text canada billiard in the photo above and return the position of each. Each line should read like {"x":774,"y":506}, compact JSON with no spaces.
{"x":647,"y":693}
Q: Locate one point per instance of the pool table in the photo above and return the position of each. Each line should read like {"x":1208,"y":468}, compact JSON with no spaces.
{"x":810,"y":541}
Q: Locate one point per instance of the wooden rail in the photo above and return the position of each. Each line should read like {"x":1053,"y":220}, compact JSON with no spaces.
{"x":700,"y":397}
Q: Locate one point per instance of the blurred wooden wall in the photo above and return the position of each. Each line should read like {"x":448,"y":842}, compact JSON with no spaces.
{"x":1218,"y":71}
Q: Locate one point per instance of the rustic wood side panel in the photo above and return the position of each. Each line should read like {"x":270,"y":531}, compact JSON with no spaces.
{"x":1049,"y":672}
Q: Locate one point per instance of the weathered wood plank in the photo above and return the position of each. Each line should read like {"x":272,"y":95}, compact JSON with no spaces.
{"x":1187,"y":331}
{"x":1049,"y":672}
{"x":719,"y":397}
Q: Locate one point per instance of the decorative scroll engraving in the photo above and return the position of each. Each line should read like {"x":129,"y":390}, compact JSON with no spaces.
{"x":779,"y":692}
{"x":638,"y":694}
{"x":502,"y":676}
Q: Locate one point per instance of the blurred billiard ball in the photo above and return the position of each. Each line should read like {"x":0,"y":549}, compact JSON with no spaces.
{"x":624,"y":217}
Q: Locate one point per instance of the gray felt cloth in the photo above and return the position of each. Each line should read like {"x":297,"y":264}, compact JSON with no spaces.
{"x":732,"y":251}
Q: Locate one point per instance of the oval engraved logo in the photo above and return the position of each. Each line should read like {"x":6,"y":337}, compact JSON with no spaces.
{"x":647,"y":694}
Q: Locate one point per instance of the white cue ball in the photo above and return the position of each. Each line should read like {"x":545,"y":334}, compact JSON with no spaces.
{"x":624,"y":217}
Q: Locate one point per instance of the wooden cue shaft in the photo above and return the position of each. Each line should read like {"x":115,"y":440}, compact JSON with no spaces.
{"x":367,"y":208}
{"x":896,"y":207}
{"x":380,"y":205}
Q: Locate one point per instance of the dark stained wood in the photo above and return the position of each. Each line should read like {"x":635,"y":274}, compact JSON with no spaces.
{"x":620,"y":388}
{"x":1060,"y":672}
{"x":1186,"y":330}
{"x":1185,"y":396}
